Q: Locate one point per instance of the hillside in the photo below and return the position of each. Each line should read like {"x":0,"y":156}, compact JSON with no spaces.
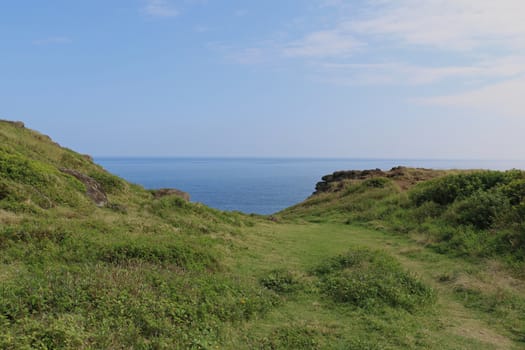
{"x":475,"y":213}
{"x":406,"y":259}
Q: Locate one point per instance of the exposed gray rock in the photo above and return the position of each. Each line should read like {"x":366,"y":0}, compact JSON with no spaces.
{"x":93,"y":189}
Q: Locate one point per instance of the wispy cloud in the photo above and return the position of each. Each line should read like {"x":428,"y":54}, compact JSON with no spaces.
{"x":479,"y":46}
{"x":503,"y":99}
{"x":411,"y":74}
{"x":160,"y":8}
{"x":445,"y":24}
{"x":461,"y":26}
{"x":53,"y":40}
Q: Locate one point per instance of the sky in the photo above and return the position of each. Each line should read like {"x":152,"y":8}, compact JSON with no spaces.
{"x":286,"y":78}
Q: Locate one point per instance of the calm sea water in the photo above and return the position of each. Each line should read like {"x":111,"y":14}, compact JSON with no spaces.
{"x":261,"y":186}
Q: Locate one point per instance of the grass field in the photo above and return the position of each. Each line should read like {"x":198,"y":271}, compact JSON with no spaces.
{"x":366,"y":267}
{"x":455,"y":321}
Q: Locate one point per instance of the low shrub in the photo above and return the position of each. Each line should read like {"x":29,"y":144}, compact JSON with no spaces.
{"x":481,"y":209}
{"x":293,"y":337}
{"x":368,"y":279}
{"x":111,"y":184}
{"x":446,"y":190}
{"x":180,"y":255}
{"x":280,"y":281}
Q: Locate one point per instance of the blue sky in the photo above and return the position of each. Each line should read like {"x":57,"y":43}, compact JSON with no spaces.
{"x":318,"y":78}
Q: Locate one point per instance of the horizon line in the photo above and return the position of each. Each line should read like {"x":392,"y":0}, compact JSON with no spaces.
{"x":306,"y":158}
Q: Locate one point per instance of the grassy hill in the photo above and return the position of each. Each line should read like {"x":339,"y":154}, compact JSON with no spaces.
{"x":417,"y":260}
{"x":464,"y":213}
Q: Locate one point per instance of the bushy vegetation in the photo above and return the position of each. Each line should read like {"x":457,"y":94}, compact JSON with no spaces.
{"x":293,"y":337}
{"x":140,"y":273}
{"x":281,"y":281}
{"x":369,"y":279}
{"x":479,"y":214}
{"x":476,"y":213}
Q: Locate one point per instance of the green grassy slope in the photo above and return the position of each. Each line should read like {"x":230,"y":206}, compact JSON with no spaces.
{"x":467,"y":213}
{"x":353,"y":268}
{"x":138,"y":273}
{"x":472,"y":222}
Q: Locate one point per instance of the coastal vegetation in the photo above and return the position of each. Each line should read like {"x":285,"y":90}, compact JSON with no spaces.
{"x":405,"y":259}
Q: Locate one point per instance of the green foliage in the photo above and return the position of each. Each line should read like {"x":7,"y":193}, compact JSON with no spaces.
{"x":28,"y":233}
{"x":474,"y":213}
{"x":179,"y":255}
{"x":515,"y":191}
{"x":280,"y":281}
{"x":484,"y":201}
{"x":148,"y":273}
{"x":25,"y":179}
{"x":481,"y":209}
{"x":16,"y":167}
{"x":504,"y":308}
{"x":376,"y":182}
{"x":294,"y":337}
{"x":446,"y":190}
{"x":114,"y":305}
{"x":111,"y":184}
{"x":369,"y":279}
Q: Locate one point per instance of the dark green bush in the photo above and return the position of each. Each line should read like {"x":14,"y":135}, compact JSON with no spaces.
{"x":447,"y":189}
{"x":4,"y":190}
{"x":480,"y":210}
{"x":515,"y":191}
{"x":280,"y":281}
{"x":366,"y":279}
{"x":427,"y":210}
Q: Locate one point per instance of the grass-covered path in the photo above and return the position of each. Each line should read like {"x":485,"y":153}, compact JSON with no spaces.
{"x":477,"y":305}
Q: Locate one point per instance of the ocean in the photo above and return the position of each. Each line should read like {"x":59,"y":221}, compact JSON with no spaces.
{"x":260,"y":185}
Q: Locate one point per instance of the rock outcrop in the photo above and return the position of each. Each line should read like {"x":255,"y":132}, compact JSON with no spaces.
{"x":93,"y":189}
{"x":163,"y":192}
{"x":404,"y":177}
{"x":328,"y":180}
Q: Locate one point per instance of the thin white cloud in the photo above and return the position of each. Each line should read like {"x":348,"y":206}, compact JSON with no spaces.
{"x":53,"y":40}
{"x":478,"y":45}
{"x":446,"y":24}
{"x":409,"y":74}
{"x":160,"y":8}
{"x":502,"y":99}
